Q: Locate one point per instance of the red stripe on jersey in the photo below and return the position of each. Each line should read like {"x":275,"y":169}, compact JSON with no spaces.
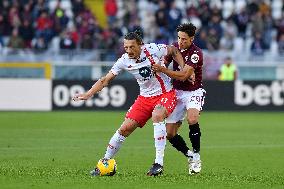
{"x":160,"y":80}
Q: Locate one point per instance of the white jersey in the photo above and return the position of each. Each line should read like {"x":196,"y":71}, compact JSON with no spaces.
{"x":149,"y":83}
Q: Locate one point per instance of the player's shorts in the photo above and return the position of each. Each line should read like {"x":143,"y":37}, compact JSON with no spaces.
{"x":185,"y":101}
{"x":141,"y":110}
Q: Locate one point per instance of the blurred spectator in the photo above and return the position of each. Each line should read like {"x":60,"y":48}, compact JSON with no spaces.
{"x":230,"y":32}
{"x":161,"y":38}
{"x":66,"y":41}
{"x":39,"y":7}
{"x":257,"y":46}
{"x":5,"y":7}
{"x":280,"y":26}
{"x":111,"y":10}
{"x":252,"y":7}
{"x":215,"y":24}
{"x":264,"y":8}
{"x":213,"y":40}
{"x":74,"y":34}
{"x":130,"y":12}
{"x":257,"y":23}
{"x":26,"y":13}
{"x":15,"y":41}
{"x":174,"y":18}
{"x":204,"y":13}
{"x":109,"y":39}
{"x":14,"y":17}
{"x":87,"y":42}
{"x":77,"y":6}
{"x":85,"y":22}
{"x":267,"y":29}
{"x":241,"y":19}
{"x":161,"y":15}
{"x":228,"y":71}
{"x":116,"y":29}
{"x":281,"y":45}
{"x":135,"y":25}
{"x":44,"y":26}
{"x":193,"y":12}
{"x":60,"y":19}
{"x":227,"y":41}
{"x":201,"y":39}
{"x":84,"y":29}
{"x":26,"y":31}
{"x":39,"y":45}
{"x":2,"y":29}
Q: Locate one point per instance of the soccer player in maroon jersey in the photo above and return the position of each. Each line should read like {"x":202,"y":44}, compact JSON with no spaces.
{"x":190,"y":96}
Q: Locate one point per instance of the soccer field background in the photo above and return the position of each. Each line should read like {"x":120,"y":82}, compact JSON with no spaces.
{"x":58,"y":149}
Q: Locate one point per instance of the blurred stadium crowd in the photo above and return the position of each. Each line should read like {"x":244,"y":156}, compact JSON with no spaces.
{"x":232,"y":25}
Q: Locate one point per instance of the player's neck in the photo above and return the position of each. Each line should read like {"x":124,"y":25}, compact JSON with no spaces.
{"x":186,"y":48}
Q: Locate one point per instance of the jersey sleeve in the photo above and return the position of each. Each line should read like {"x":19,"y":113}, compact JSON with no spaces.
{"x":117,"y":67}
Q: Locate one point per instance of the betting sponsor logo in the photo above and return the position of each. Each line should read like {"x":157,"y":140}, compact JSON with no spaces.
{"x":261,"y":94}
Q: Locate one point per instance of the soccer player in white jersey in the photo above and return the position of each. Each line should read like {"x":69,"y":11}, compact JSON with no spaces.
{"x":157,"y":98}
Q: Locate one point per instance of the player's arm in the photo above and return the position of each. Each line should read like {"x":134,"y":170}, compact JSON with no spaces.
{"x":97,"y":87}
{"x":183,"y":74}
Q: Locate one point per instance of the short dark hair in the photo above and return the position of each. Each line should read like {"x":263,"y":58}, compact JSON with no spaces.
{"x":136,"y":35}
{"x":188,"y":28}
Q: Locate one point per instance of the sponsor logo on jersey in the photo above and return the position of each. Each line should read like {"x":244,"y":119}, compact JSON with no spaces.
{"x":145,"y":72}
{"x":186,"y":58}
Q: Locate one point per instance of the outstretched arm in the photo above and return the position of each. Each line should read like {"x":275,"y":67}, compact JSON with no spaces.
{"x":183,"y":74}
{"x":98,"y":86}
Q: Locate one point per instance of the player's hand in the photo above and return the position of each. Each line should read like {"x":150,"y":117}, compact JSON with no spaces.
{"x":78,"y":97}
{"x":157,"y":68}
{"x":191,"y":79}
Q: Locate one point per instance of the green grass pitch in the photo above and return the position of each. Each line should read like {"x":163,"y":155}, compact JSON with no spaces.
{"x":58,"y":149}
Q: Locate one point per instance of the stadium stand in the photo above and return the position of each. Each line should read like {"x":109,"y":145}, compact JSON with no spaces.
{"x":65,"y":30}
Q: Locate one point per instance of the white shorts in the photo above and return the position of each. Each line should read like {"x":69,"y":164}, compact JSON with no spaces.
{"x":186,"y":100}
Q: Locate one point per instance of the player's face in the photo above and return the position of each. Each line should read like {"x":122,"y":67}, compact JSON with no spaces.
{"x":132,"y":48}
{"x":184,"y":41}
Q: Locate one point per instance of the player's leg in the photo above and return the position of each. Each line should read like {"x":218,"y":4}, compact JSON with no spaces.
{"x":158,"y":115}
{"x":176,"y":140}
{"x":194,"y":129}
{"x":174,"y":121}
{"x":116,"y":141}
{"x":194,"y":136}
{"x":135,"y":117}
{"x":163,"y":108}
{"x":127,"y":127}
{"x":160,"y":134}
{"x":194,"y":106}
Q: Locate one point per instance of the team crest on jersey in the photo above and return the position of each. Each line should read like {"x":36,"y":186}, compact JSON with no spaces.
{"x":141,"y":60}
{"x":194,"y":58}
{"x":145,"y":72}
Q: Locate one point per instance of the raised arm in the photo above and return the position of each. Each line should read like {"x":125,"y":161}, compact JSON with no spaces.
{"x":183,"y":74}
{"x":98,"y":86}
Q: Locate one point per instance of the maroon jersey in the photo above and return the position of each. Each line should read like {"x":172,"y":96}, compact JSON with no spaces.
{"x":193,"y":57}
